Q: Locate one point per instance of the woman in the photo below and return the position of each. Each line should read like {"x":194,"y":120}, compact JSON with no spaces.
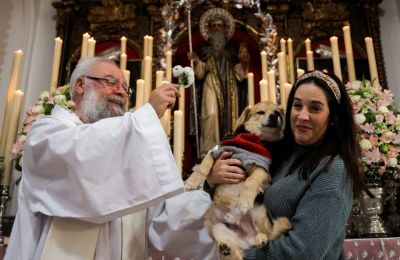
{"x":314,"y":177}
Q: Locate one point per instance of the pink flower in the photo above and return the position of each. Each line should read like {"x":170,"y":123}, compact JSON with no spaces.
{"x":379,"y":118}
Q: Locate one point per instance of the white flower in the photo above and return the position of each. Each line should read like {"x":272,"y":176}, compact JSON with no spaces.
{"x":356,"y":98}
{"x":383,"y":110}
{"x":176,"y":71}
{"x":60,"y":99}
{"x":38,"y":109}
{"x":185,"y":75}
{"x":360,"y":119}
{"x":365,"y":144}
{"x":44,"y":95}
{"x":392,"y":162}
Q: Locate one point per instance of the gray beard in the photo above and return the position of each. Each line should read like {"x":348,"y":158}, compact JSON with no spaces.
{"x":95,"y":108}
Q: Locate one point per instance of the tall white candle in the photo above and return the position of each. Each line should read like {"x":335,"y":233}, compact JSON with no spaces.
{"x":12,"y":87}
{"x":286,"y":90}
{"x":168,"y":69}
{"x":283,"y":45}
{"x":178,"y":131}
{"x":335,"y":57}
{"x":349,"y":53}
{"x":127,"y":76}
{"x":166,"y":122}
{"x":264,"y":69}
{"x":282,"y":71}
{"x":148,"y":77}
{"x":122,"y":61}
{"x":264,"y":90}
{"x":291,"y":60}
{"x":139,"y":93}
{"x":310,"y":60}
{"x":250,"y":89}
{"x":159,"y":77}
{"x":300,"y":72}
{"x":84,"y":47}
{"x":150,"y":46}
{"x":182,"y":99}
{"x":91,"y":47}
{"x":145,"y":46}
{"x":55,"y":68}
{"x":123,"y":44}
{"x":307,"y":42}
{"x":12,"y":133}
{"x":373,"y":70}
{"x":272,"y":86}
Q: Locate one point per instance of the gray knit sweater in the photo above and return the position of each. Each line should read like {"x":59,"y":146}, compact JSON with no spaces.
{"x":318,"y":213}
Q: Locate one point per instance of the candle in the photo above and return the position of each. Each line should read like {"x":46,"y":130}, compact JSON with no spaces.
{"x":264,"y":90}
{"x":127,"y":76}
{"x":291,"y":60}
{"x":159,"y":77}
{"x":308,"y":45}
{"x":286,"y":90}
{"x":139,"y":93}
{"x":168,"y":69}
{"x":84,"y":48}
{"x":282,"y":71}
{"x":335,"y":57}
{"x":372,"y":61}
{"x":182,"y":99}
{"x":56,"y":64}
{"x":145,"y":46}
{"x":166,"y":122}
{"x":300,"y":72}
{"x":12,"y":133}
{"x":264,"y":69}
{"x":150,"y":46}
{"x":271,"y":86}
{"x":122,"y":61}
{"x":178,"y":131}
{"x":283,"y":45}
{"x":147,"y":77}
{"x":91,"y":47}
{"x":310,"y":61}
{"x":250,"y":89}
{"x":12,"y":87}
{"x":349,"y":53}
{"x":123,"y":44}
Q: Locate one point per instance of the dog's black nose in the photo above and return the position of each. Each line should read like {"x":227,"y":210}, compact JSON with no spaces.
{"x":273,"y":117}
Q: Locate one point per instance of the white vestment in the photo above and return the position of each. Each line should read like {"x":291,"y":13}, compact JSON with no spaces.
{"x":93,"y":172}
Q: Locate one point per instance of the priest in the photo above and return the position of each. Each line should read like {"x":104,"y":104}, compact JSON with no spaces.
{"x":83,"y":170}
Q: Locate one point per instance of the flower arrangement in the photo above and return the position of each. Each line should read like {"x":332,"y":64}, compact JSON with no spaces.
{"x":185,"y":75}
{"x":43,"y":106}
{"x":379,"y":126}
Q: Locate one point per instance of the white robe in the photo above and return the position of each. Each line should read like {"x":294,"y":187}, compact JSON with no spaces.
{"x":93,"y":172}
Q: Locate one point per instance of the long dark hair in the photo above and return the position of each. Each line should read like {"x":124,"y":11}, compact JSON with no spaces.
{"x":340,"y":139}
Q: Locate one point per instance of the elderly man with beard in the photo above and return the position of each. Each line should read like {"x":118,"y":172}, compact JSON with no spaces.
{"x":219,"y":105}
{"x":85,"y":169}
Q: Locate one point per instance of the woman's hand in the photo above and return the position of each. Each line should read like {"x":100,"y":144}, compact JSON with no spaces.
{"x":226,"y":170}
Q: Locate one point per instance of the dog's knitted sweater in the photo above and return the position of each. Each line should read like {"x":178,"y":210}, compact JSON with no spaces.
{"x":247,"y":148}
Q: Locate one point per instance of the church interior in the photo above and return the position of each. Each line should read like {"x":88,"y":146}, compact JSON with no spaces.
{"x":41,"y":42}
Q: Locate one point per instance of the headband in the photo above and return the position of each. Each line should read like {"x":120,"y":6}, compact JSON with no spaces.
{"x":328,"y":80}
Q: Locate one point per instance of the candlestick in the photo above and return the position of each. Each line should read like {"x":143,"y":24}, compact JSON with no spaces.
{"x":308,"y":45}
{"x":177,"y":146}
{"x":123,"y":44}
{"x":300,"y":72}
{"x":271,"y":86}
{"x":12,"y":133}
{"x":84,"y":48}
{"x":349,"y":53}
{"x":168,"y":69}
{"x":148,"y":77}
{"x":335,"y":57}
{"x":283,"y":45}
{"x":122,"y":61}
{"x":310,"y":61}
{"x":264,"y":69}
{"x":55,"y":68}
{"x":373,"y":70}
{"x":12,"y":87}
{"x":264,"y":90}
{"x":139,"y":93}
{"x":250,"y":89}
{"x":291,"y":60}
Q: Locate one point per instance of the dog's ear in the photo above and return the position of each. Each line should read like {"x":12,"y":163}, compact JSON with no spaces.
{"x":243,"y":117}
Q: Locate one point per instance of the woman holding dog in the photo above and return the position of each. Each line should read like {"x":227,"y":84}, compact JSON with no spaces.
{"x":315,"y":175}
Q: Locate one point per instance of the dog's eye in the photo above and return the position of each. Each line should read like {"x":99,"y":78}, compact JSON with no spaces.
{"x":260,"y":112}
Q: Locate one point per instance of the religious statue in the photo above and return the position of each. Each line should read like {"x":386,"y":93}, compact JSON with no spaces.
{"x":219,"y":105}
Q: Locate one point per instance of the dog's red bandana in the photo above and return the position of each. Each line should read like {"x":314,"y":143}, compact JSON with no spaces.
{"x":249,"y":142}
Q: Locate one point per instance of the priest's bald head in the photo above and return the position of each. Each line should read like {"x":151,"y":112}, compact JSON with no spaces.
{"x":98,"y":89}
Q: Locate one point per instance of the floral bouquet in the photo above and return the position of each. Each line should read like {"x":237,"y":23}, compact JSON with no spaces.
{"x":185,"y":75}
{"x":44,"y":106}
{"x":379,"y":126}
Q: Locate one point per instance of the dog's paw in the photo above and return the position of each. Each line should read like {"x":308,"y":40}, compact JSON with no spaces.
{"x":190,"y":186}
{"x":224,"y":249}
{"x":245,"y":206}
{"x":261,"y":239}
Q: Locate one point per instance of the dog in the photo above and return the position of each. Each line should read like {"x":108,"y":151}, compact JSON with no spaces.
{"x":233,"y":204}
